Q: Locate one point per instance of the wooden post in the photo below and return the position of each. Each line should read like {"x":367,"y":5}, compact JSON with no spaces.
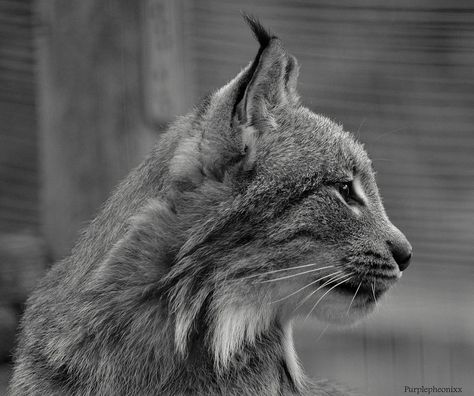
{"x":91,"y":104}
{"x":168,"y":91}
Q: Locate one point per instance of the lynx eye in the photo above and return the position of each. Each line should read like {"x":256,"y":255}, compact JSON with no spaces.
{"x":351,"y":192}
{"x":346,"y":191}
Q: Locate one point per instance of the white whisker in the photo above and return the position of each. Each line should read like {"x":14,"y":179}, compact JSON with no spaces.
{"x":304,"y":287}
{"x":280,"y":270}
{"x":328,"y":282}
{"x":373,"y":291}
{"x":320,"y":298}
{"x":322,"y":333}
{"x":353,"y":298}
{"x":298,"y":274}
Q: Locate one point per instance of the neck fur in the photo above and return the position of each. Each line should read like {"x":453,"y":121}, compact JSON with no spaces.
{"x":249,"y":348}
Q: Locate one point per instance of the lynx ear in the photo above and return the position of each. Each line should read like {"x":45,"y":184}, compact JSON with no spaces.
{"x":272,"y":78}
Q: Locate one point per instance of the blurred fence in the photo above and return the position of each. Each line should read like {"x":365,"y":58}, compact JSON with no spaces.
{"x":18,"y":124}
{"x":400,"y":75}
{"x":22,"y":253}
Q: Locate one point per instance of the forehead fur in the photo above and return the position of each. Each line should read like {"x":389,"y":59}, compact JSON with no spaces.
{"x":304,"y":143}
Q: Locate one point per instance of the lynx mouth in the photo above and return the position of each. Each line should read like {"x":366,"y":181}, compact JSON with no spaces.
{"x":366,"y":289}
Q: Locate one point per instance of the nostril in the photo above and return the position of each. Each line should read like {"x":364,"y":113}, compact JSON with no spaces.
{"x":401,"y":254}
{"x":404,"y":262}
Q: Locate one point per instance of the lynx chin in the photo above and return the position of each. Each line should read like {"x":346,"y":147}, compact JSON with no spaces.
{"x":249,"y":211}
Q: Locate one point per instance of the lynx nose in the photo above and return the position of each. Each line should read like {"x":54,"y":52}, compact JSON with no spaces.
{"x":401,"y":251}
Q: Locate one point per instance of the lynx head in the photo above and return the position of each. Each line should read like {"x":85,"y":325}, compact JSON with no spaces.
{"x":280,"y":213}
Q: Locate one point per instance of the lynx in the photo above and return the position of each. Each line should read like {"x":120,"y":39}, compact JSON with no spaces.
{"x":250,"y":210}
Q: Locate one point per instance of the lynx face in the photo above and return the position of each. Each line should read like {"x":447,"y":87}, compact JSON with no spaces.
{"x":339,"y":249}
{"x":286,"y":217}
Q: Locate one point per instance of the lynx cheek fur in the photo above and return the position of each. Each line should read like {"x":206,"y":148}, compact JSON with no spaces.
{"x":250,"y":210}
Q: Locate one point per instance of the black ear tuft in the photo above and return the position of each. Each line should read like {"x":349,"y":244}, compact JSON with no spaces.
{"x":261,"y":34}
{"x":269,"y":81}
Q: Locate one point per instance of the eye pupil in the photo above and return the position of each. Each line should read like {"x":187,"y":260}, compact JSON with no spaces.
{"x":345,"y":191}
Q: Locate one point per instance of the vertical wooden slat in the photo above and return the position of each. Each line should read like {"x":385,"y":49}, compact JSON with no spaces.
{"x":167,"y":72}
{"x":18,"y":124}
{"x":91,"y":126}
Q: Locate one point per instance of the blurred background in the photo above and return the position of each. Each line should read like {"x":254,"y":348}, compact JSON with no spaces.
{"x":87,"y":87}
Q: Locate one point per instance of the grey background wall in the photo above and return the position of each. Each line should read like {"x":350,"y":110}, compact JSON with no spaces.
{"x":18,"y":120}
{"x":399,"y":74}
